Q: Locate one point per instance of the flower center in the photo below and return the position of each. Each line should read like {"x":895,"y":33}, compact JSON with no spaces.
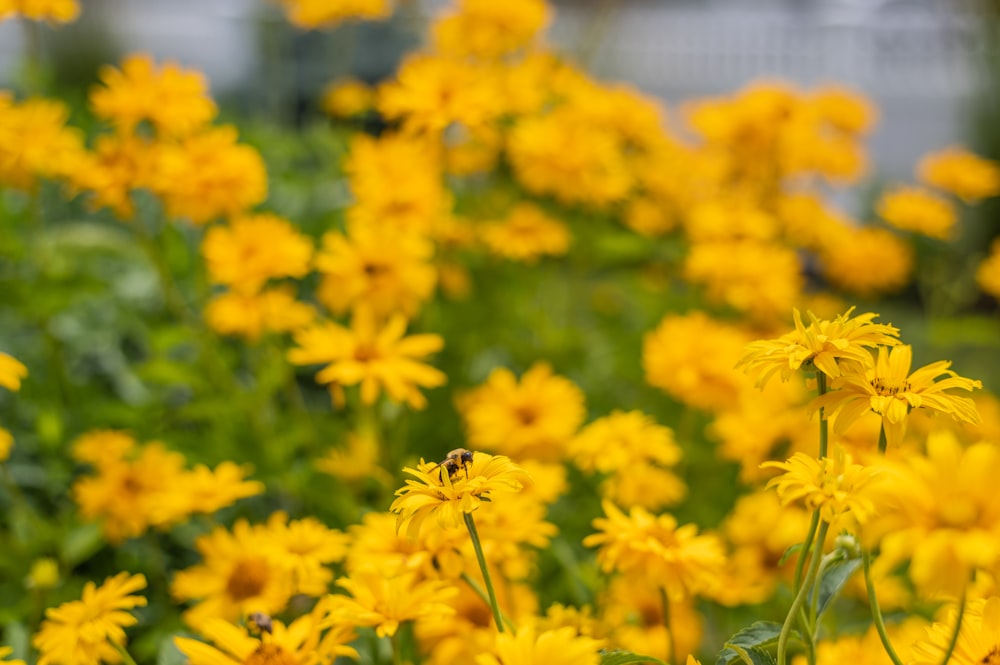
{"x":993,"y":657}
{"x":248,"y":578}
{"x":365,"y":353}
{"x":270,"y":654}
{"x":886,"y":389}
{"x":375,"y":270}
{"x":527,"y":414}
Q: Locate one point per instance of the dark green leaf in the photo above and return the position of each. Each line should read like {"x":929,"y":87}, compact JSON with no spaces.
{"x":789,"y":552}
{"x":619,"y":657}
{"x":754,"y":656}
{"x":834,"y":577}
{"x":756,"y":637}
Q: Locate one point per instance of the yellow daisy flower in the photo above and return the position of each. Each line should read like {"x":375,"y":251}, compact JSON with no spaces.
{"x":84,"y":632}
{"x":988,"y":272}
{"x":526,"y":235}
{"x":960,"y":172}
{"x":347,"y":98}
{"x":57,"y":11}
{"x":978,"y":638}
{"x":307,"y":547}
{"x":865,"y":262}
{"x":12,"y":372}
{"x":316,"y":14}
{"x":487,"y":29}
{"x":273,"y":310}
{"x":559,"y":646}
{"x":248,"y":251}
{"x":891,"y":391}
{"x":377,"y":358}
{"x":385,"y":602}
{"x":825,"y":346}
{"x":916,"y":209}
{"x":447,"y":495}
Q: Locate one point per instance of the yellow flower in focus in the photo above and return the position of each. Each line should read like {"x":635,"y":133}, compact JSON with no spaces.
{"x":831,"y":347}
{"x":866,"y":261}
{"x":559,"y":646}
{"x":12,"y":372}
{"x":978,"y":639}
{"x":988,"y":272}
{"x":252,"y":249}
{"x":961,"y":173}
{"x":35,"y":142}
{"x":302,"y":642}
{"x":432,"y":92}
{"x":487,"y":29}
{"x":890,"y":390}
{"x":208,"y":175}
{"x":84,"y":632}
{"x":525,"y":235}
{"x":174,"y":100}
{"x":376,"y":267}
{"x":251,"y":315}
{"x":531,"y":419}
{"x":347,"y":98}
{"x":316,"y":14}
{"x":377,"y":358}
{"x":386,"y":602}
{"x":57,"y":11}
{"x":691,"y":358}
{"x":674,"y":558}
{"x":307,"y":547}
{"x":446,"y":496}
{"x":918,"y":210}
{"x":832,"y":485}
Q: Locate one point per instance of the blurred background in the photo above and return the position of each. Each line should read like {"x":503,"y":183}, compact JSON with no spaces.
{"x":927,"y":64}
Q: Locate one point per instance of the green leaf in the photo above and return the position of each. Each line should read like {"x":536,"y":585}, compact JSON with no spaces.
{"x":789,"y":552}
{"x":747,"y":645}
{"x":81,"y":543}
{"x":835,"y":576}
{"x":620,"y":657}
{"x":754,"y":656}
{"x":169,"y":654}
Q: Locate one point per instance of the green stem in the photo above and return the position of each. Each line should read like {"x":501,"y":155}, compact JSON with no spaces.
{"x":474,"y":585}
{"x":123,"y":653}
{"x":804,"y":552}
{"x":958,"y":628}
{"x":800,"y":597}
{"x":866,"y":559}
{"x":470,"y":523}
{"x":824,"y":426}
{"x":671,"y":649}
{"x":882,"y":442}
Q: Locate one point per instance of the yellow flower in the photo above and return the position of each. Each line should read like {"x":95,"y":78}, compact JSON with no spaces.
{"x":960,"y":172}
{"x":525,"y":235}
{"x":83,"y":632}
{"x":832,"y":485}
{"x":866,"y":261}
{"x":531,"y":419}
{"x":674,"y":558}
{"x":253,"y":249}
{"x":307,"y":547}
{"x":315,"y":14}
{"x":43,"y":574}
{"x":691,"y":357}
{"x":6,"y":651}
{"x":208,"y":175}
{"x":347,"y":98}
{"x":988,"y":272}
{"x":827,"y":346}
{"x":57,"y":11}
{"x":375,"y":266}
{"x":35,"y":142}
{"x":204,"y":490}
{"x":891,"y":391}
{"x":103,"y":447}
{"x":916,"y":209}
{"x":447,"y":496}
{"x":978,"y":638}
{"x":648,"y":217}
{"x":377,"y":358}
{"x":174,"y":100}
{"x":867,"y":649}
{"x":357,"y":462}
{"x":844,"y":109}
{"x":241,"y":572}
{"x":118,"y":164}
{"x":486,"y":29}
{"x":386,"y":602}
{"x":302,"y":642}
{"x":250,"y":315}
{"x":12,"y":372}
{"x":559,"y":646}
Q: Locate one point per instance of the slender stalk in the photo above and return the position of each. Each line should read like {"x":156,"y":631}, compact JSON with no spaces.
{"x":882,"y":441}
{"x":866,"y":560}
{"x":474,"y":585}
{"x":824,"y":426}
{"x":470,"y":523}
{"x":123,"y":653}
{"x":671,"y":650}
{"x":804,"y":552}
{"x":800,"y":597}
{"x":958,"y":628}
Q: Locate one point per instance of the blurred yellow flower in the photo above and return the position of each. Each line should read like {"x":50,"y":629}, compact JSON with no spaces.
{"x":559,"y":646}
{"x":978,"y":639}
{"x":833,"y":485}
{"x":918,"y":210}
{"x":57,"y":11}
{"x":988,"y":272}
{"x":831,"y":347}
{"x":273,"y":310}
{"x":377,"y":358}
{"x":385,"y":602}
{"x":302,"y":642}
{"x":447,"y":496}
{"x":867,"y":261}
{"x":961,"y":173}
{"x":867,"y":649}
{"x":691,"y":358}
{"x":648,"y":217}
{"x":531,"y":419}
{"x":316,"y":14}
{"x":357,"y":461}
{"x":525,"y":235}
{"x":890,"y":390}
{"x":376,"y":267}
{"x":103,"y":447}
{"x":251,"y":249}
{"x":84,"y":632}
{"x":117,"y":165}
{"x":35,"y":142}
{"x":43,"y":574}
{"x":347,"y":98}
{"x":844,"y":109}
{"x":12,"y":372}
{"x":174,"y":100}
{"x":674,"y":558}
{"x":487,"y":29}
{"x":306,"y":548}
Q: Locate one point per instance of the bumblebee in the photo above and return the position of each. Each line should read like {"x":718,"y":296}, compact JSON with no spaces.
{"x":259,"y":623}
{"x":460,"y":457}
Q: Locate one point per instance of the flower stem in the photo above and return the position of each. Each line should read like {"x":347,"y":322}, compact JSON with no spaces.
{"x":824,"y":426}
{"x":800,"y":597}
{"x":866,"y":559}
{"x":671,"y":649}
{"x":882,"y":441}
{"x":958,"y":628}
{"x":474,"y":585}
{"x":470,"y":523}
{"x":123,"y":653}
{"x":804,"y":552}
